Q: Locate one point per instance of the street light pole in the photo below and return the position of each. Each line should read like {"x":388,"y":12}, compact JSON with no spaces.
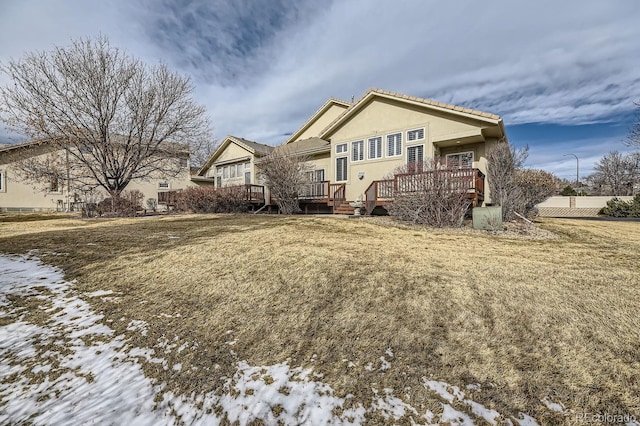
{"x":577,"y":168}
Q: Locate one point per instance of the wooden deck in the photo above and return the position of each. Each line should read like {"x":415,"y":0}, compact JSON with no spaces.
{"x":324,"y":192}
{"x":468,"y":181}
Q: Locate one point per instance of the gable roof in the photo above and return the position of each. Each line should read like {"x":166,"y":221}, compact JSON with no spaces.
{"x":313,"y":145}
{"x":428,"y":103}
{"x":316,"y":115}
{"x":14,"y":146}
{"x":255,"y":148}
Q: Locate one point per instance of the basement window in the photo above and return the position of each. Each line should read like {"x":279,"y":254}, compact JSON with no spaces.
{"x":163,"y":185}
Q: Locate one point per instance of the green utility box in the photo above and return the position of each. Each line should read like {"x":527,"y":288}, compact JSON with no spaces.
{"x":488,"y":218}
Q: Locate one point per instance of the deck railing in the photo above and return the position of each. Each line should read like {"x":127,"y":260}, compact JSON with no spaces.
{"x":470,"y":181}
{"x":316,"y":191}
{"x":337,"y":191}
{"x":250,"y":193}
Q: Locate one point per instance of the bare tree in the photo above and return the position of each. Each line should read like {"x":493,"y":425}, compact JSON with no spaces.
{"x":286,"y":175}
{"x":114,"y":118}
{"x":503,"y":160}
{"x":535,"y":186}
{"x":203,"y":151}
{"x":616,"y":173}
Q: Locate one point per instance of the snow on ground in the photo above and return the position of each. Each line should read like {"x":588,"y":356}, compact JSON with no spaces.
{"x":62,"y":365}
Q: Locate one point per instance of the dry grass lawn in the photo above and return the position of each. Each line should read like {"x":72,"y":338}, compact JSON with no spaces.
{"x":525,"y":319}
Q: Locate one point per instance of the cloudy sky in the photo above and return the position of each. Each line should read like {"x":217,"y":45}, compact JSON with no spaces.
{"x":563,"y":75}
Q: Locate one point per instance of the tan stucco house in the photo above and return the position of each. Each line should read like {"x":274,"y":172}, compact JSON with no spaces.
{"x":20,"y":195}
{"x":355,"y":147}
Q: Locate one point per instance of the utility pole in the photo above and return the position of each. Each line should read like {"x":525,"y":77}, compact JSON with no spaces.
{"x":577,"y":168}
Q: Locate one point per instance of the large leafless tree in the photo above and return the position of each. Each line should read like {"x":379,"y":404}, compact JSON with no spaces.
{"x":616,"y":173}
{"x":114,"y":118}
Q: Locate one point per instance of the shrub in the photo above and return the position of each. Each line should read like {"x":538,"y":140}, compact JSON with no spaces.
{"x":620,"y":208}
{"x":212,"y":200}
{"x":435,"y":199}
{"x":535,"y":186}
{"x":568,"y":190}
{"x":124,"y":205}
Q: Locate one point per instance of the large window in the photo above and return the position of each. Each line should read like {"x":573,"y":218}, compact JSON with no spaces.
{"x":375,"y":147}
{"x":415,"y":158}
{"x":415,"y":135}
{"x":394,"y":145}
{"x":357,"y":151}
{"x":341,"y":169}
{"x":461,"y":160}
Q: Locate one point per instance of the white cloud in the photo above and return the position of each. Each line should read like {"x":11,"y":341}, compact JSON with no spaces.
{"x":263,"y":68}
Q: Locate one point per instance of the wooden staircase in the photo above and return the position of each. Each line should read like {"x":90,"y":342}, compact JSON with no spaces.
{"x":343,"y":208}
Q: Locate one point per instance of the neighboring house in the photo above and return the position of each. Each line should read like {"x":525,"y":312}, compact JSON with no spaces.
{"x":354,"y":148}
{"x":18,"y":195}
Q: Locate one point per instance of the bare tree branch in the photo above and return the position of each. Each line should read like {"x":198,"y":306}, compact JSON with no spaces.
{"x":116,"y":119}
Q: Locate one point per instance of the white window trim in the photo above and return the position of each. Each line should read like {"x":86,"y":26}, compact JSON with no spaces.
{"x":473,"y":157}
{"x":346,"y":165}
{"x":361,"y":142}
{"x":343,"y":151}
{"x":380,"y":153}
{"x":414,"y":146}
{"x":166,"y":188}
{"x":3,"y":184}
{"x":60,"y":188}
{"x":387,"y":145}
{"x":417,"y":129}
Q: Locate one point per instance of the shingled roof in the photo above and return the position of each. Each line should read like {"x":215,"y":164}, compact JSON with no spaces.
{"x":306,"y":146}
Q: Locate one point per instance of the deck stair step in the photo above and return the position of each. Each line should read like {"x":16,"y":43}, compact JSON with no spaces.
{"x":344,"y":208}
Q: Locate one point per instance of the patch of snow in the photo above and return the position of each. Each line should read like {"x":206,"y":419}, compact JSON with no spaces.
{"x":177,"y":367}
{"x":369,"y":367}
{"x":99,"y":293}
{"x":553,"y":406}
{"x":389,"y":352}
{"x":391,"y":407}
{"x":455,"y":417}
{"x":474,"y":387}
{"x":385,"y":365}
{"x":138,"y":325}
{"x":526,"y":420}
{"x":452,"y":393}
